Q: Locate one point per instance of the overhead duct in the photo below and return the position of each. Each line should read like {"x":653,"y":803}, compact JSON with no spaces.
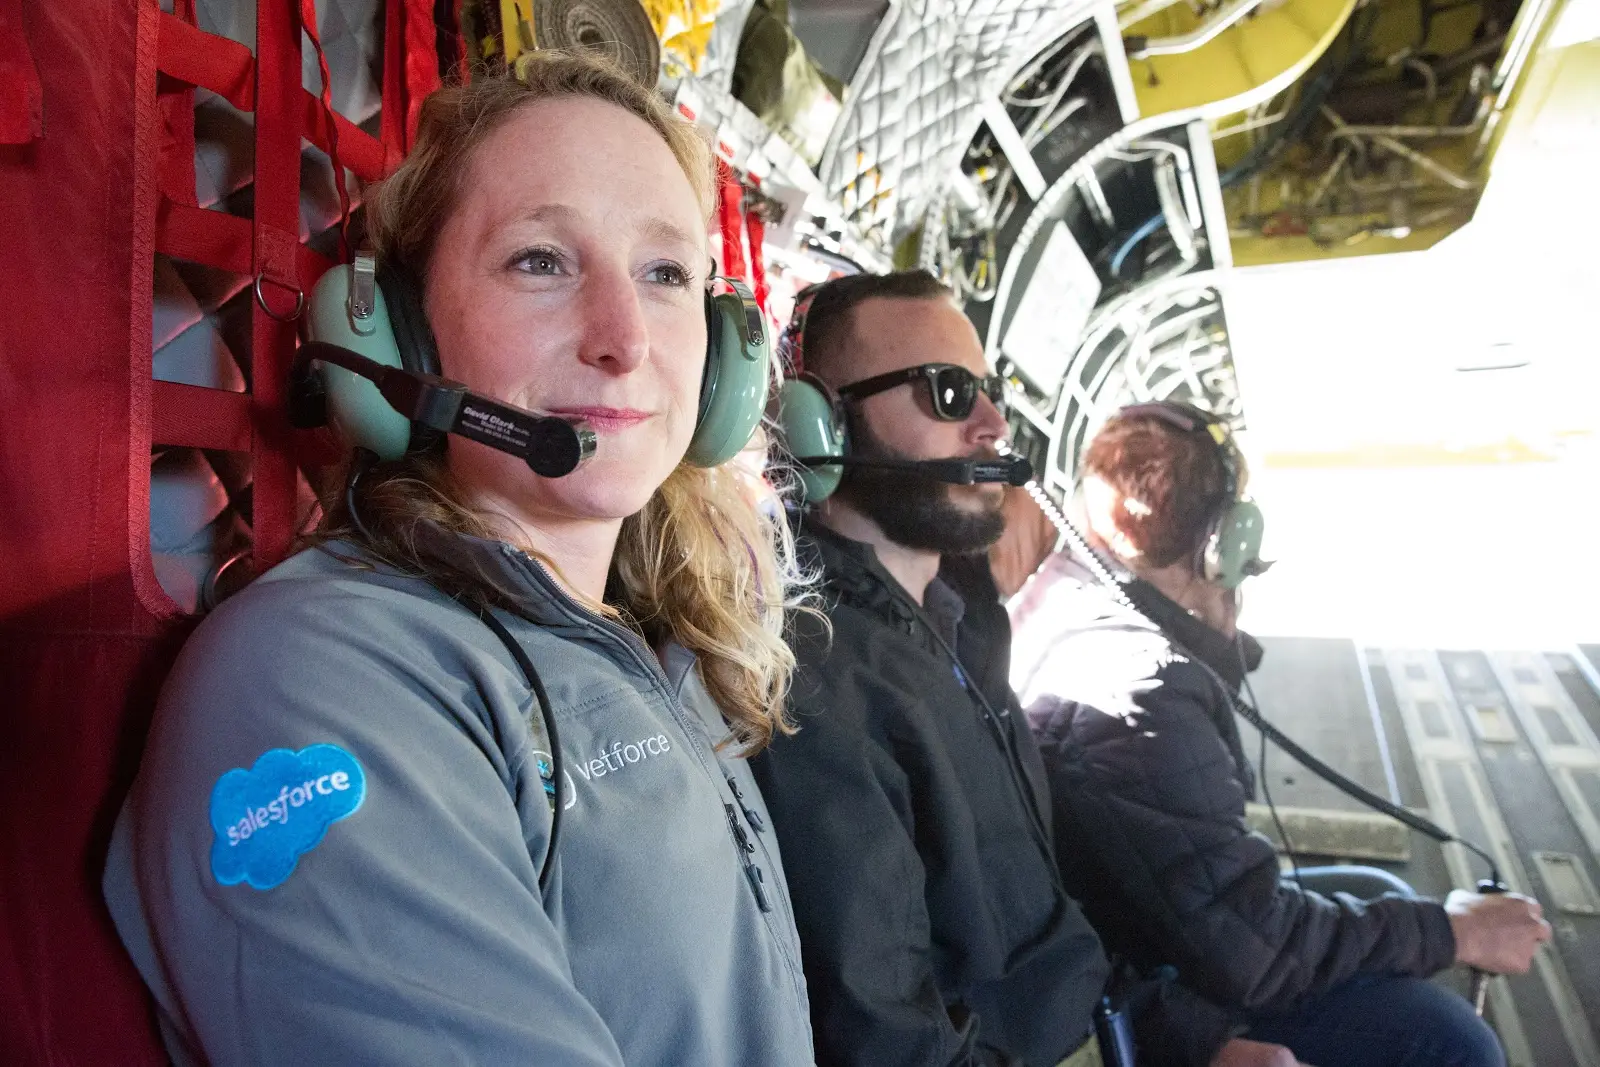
{"x":617,"y":29}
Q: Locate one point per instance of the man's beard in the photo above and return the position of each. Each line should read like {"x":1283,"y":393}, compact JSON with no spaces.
{"x":914,"y":511}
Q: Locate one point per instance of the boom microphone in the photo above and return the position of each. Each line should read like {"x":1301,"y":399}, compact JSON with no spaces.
{"x":552,"y":447}
{"x":1010,"y":470}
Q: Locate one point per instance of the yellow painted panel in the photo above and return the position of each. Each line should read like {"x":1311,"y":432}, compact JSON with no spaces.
{"x":1257,"y":251}
{"x":1254,"y":59}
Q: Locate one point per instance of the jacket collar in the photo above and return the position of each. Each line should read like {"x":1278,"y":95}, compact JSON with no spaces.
{"x":1152,"y":608}
{"x":851,"y":570}
{"x":1218,"y":652}
{"x":961,"y":606}
{"x":517,"y":577}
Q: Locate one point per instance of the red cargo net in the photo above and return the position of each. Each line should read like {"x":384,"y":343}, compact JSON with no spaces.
{"x":95,"y":184}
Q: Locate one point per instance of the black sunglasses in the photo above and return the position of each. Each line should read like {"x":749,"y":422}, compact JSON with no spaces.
{"x":952,"y":389}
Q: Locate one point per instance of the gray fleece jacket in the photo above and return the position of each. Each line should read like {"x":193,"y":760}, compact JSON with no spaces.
{"x":332,"y":851}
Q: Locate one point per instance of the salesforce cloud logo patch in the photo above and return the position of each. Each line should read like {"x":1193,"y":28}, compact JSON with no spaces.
{"x":266,"y":818}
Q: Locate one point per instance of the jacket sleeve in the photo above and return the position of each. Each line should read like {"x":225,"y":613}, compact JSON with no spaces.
{"x":1165,"y":783}
{"x":844,"y":816}
{"x":412,"y":931}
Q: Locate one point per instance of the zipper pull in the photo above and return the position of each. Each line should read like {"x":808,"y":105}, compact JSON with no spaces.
{"x":752,"y":873}
{"x":751,"y":816}
{"x":741,"y":838}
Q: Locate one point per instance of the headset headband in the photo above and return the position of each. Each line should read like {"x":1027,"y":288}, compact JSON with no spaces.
{"x":1191,"y":419}
{"x":791,"y":343}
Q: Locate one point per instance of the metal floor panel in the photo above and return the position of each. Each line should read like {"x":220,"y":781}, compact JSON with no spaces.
{"x":1472,"y":740}
{"x":1312,"y":689}
{"x":1561,"y":738}
{"x":1581,"y":679}
{"x":1459,"y":799}
{"x":1493,"y":786}
{"x":1569,"y":754}
{"x":1428,"y":873}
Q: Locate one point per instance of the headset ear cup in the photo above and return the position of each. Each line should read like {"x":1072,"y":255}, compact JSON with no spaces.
{"x":354,"y":404}
{"x":809,"y":419}
{"x":733,"y":389}
{"x":1234,"y":553}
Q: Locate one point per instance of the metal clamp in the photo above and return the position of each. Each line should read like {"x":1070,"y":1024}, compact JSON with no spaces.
{"x":363,"y":290}
{"x":299,"y":301}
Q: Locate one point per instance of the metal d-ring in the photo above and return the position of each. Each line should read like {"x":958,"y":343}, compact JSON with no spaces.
{"x":299,"y":301}
{"x":209,"y":587}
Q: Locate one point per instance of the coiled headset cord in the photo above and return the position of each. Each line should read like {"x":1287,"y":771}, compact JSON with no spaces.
{"x":364,"y":461}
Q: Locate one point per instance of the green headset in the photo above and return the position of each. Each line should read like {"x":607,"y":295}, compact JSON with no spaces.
{"x":816,"y":426}
{"x":1230,"y":552}
{"x":377,"y":314}
{"x":811,"y":417}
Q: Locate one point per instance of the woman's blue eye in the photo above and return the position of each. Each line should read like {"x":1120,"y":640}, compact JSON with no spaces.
{"x":671,"y":274}
{"x":539,"y":261}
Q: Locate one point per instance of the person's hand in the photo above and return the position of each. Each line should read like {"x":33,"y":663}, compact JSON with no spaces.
{"x":1496,"y":932}
{"x":1242,"y":1053}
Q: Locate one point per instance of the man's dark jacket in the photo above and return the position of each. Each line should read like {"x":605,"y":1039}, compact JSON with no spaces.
{"x":915,"y":831}
{"x":1150,"y":782}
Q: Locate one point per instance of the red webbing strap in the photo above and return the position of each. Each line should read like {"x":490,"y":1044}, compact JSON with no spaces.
{"x":358,"y":149}
{"x":196,"y":235}
{"x":276,"y":271}
{"x":756,"y":227}
{"x":192,"y":55}
{"x":21,"y":96}
{"x":392,"y":119}
{"x":730,"y":220}
{"x":146,"y":198}
{"x":219,"y":240}
{"x":308,"y":17}
{"x":196,"y":417}
{"x":227,"y":68}
{"x":176,"y":102}
{"x":422,"y":61}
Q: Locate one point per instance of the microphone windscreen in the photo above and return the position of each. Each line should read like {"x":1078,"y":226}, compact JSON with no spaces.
{"x":1012,"y":470}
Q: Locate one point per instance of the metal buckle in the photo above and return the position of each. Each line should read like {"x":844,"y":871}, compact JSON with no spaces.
{"x":363,"y":301}
{"x":754,"y":321}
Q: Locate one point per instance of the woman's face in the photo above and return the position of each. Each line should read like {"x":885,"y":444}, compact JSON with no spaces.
{"x":569,"y":280}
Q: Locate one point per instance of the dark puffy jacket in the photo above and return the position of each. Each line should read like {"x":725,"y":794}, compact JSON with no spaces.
{"x":1150,"y":783}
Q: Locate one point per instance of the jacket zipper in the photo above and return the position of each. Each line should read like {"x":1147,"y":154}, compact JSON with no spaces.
{"x":751,"y":816}
{"x":752,"y":873}
{"x":1007,"y":746}
{"x":646,"y":659}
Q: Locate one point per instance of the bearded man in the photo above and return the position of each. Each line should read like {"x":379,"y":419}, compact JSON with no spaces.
{"x":911,"y":805}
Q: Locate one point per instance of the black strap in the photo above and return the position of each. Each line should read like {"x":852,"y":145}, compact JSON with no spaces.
{"x":557,"y":768}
